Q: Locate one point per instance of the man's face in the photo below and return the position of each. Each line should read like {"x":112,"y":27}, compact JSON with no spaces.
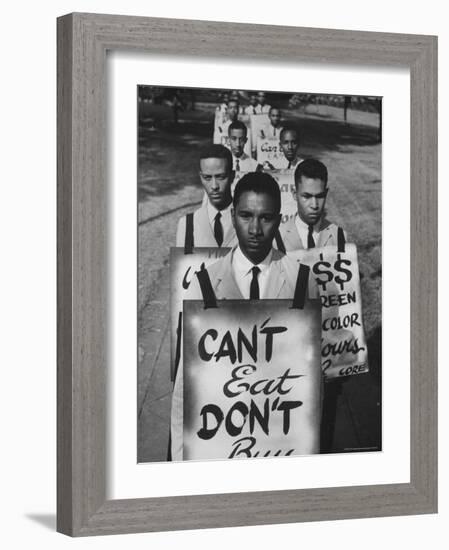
{"x":253,"y":100}
{"x":311,"y":199}
{"x":289,"y":144}
{"x":275,"y":117}
{"x":237,"y":139}
{"x":233,"y":110}
{"x":216,"y":177}
{"x":261,"y":98}
{"x":256,"y":220}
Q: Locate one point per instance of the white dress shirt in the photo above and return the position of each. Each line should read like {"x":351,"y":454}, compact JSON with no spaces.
{"x":303,"y":230}
{"x":241,"y":269}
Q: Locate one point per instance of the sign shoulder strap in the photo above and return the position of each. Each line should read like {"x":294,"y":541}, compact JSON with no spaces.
{"x":209,"y":298}
{"x":188,"y":243}
{"x":341,"y":241}
{"x":302,"y":283}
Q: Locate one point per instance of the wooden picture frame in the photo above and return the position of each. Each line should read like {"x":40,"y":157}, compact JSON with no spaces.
{"x":83,"y":40}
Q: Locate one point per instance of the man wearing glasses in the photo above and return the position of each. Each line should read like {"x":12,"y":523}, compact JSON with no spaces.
{"x":211,"y":224}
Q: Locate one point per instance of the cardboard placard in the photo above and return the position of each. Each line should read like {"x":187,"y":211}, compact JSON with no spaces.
{"x":269,"y":150}
{"x":343,"y":350}
{"x":252,"y":379}
{"x":286,"y":182}
{"x":182,"y":269}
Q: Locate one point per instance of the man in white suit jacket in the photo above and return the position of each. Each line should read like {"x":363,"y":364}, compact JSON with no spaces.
{"x":309,"y":228}
{"x":251,"y":270}
{"x":211,"y":224}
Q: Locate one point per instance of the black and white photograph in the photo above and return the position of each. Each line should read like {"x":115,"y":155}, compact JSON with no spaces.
{"x":259,"y":273}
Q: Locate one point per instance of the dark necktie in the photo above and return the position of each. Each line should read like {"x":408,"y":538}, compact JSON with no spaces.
{"x":254,"y":286}
{"x":237,"y":165}
{"x":310,"y":241}
{"x":289,"y":164}
{"x":218,"y":229}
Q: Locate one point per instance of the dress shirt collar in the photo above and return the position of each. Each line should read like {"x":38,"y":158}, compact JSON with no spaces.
{"x":302,"y":227}
{"x":243,"y":266}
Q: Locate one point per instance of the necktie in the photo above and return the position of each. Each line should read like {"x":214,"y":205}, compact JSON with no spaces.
{"x":254,"y":286}
{"x":237,"y":165}
{"x":274,"y":132}
{"x":289,"y":164}
{"x":310,"y":241}
{"x":254,"y":110}
{"x":218,"y":229}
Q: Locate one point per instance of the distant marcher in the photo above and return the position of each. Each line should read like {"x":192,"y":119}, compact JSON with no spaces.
{"x":238,"y":136}
{"x":251,"y":109}
{"x":262,"y":106}
{"x":274,"y":128}
{"x":289,"y":145}
{"x":221,"y":130}
{"x":289,"y":142}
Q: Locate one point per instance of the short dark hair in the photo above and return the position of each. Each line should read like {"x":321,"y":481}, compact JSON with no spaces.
{"x":238,"y":125}
{"x":311,"y":168}
{"x":260,"y":183}
{"x":217,"y":152}
{"x":274,"y":108}
{"x":289,"y":128}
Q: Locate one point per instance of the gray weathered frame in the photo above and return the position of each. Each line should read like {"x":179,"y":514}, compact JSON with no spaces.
{"x":83,"y":40}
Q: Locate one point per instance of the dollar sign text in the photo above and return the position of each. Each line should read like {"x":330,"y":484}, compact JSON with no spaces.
{"x":347,"y":275}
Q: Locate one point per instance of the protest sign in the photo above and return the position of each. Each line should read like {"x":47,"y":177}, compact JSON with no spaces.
{"x":252,"y":379}
{"x":336,"y":273}
{"x":269,"y":150}
{"x":286,"y":182}
{"x":182,"y":269}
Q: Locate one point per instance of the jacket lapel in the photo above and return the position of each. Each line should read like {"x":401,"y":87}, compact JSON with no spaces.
{"x":225,"y":286}
{"x":276,"y":278}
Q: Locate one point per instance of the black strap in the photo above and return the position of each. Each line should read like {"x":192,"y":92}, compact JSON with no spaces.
{"x":178,"y":344}
{"x":188,"y":243}
{"x":341,"y":241}
{"x":207,"y":290}
{"x":279,"y":242}
{"x":302,"y":283}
